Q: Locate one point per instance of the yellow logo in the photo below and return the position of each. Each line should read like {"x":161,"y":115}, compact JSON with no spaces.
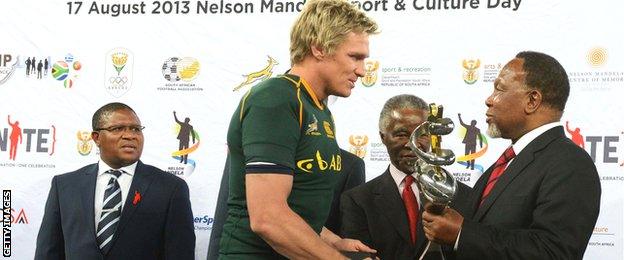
{"x":119,"y":61}
{"x":358,"y":145}
{"x":370,"y":76}
{"x":471,"y":75}
{"x":313,"y":127}
{"x":84,"y":142}
{"x":307,"y":165}
{"x":262,"y":74}
{"x":188,"y":68}
{"x":597,"y":57}
{"x":328,"y":129}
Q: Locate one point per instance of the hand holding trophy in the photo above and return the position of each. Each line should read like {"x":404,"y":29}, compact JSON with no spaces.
{"x":437,"y":186}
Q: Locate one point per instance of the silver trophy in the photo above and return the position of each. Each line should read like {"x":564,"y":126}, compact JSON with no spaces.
{"x":437,"y":186}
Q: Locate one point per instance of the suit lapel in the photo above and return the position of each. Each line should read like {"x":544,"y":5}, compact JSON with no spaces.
{"x":513,"y":170}
{"x":475,"y":196}
{"x":516,"y":167}
{"x":86,"y":186}
{"x":140,"y":184}
{"x":388,"y":201}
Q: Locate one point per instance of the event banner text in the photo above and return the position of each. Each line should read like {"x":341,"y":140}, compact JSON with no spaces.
{"x":122,"y":8}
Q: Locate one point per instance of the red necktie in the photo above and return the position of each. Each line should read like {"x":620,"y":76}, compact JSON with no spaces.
{"x":499,"y":168}
{"x":411,"y":206}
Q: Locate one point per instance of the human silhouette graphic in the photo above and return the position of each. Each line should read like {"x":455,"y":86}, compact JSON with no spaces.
{"x":46,"y":65}
{"x":33,"y":65}
{"x":470,"y":139}
{"x":27,"y":61}
{"x":186,"y":130}
{"x":577,"y":137}
{"x":39,"y":69}
{"x":16,"y":133}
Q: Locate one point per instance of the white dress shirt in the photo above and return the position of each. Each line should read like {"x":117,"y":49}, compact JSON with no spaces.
{"x":399,"y":179}
{"x":530,"y":136}
{"x":124,"y":180}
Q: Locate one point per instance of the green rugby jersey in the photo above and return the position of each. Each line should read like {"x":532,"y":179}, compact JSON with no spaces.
{"x":280,"y":121}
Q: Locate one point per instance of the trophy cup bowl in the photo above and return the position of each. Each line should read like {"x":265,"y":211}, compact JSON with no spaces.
{"x":436,"y":184}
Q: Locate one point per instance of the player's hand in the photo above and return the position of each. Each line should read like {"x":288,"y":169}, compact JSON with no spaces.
{"x":352,"y":245}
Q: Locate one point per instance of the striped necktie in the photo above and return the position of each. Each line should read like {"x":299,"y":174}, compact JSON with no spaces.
{"x":111,"y":212}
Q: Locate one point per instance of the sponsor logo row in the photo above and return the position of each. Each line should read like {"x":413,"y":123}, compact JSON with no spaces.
{"x":28,"y":144}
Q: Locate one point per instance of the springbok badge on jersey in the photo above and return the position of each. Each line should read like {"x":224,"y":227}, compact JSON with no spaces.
{"x":118,"y":76}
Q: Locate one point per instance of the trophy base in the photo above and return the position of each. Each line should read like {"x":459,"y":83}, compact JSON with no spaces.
{"x":432,"y":250}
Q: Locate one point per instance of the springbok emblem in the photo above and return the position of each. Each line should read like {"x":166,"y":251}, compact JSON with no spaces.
{"x":263,"y":74}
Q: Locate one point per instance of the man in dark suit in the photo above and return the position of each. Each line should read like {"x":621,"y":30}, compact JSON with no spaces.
{"x":542,"y":197}
{"x":118,"y":208}
{"x":375,"y":212}
{"x":352,"y":175}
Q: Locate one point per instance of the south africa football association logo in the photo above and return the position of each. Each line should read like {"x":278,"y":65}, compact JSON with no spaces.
{"x":175,"y":69}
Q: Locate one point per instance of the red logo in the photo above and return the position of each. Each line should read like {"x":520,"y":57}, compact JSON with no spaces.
{"x":36,"y":140}
{"x":137,"y":198}
{"x":20,"y":218}
{"x":575,"y":135}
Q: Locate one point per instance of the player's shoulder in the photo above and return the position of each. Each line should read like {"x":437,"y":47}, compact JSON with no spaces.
{"x":276,"y":90}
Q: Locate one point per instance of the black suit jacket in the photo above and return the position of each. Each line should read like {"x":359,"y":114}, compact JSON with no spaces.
{"x":352,"y":175}
{"x":375,"y":214}
{"x":544,"y":206}
{"x":159,"y":226}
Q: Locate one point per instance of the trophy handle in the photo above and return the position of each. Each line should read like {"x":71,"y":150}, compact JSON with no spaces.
{"x":439,"y":156}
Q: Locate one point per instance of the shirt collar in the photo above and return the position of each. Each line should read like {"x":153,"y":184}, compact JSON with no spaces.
{"x":130,"y":169}
{"x":531,"y":135}
{"x":397,"y":175}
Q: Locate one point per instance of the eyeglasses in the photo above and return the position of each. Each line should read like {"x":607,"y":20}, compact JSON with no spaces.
{"x":118,"y":129}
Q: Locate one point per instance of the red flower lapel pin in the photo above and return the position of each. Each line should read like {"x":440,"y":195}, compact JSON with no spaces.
{"x":137,"y":198}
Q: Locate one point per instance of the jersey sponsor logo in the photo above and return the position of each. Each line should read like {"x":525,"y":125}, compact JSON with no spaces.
{"x":320,"y":163}
{"x":312,"y":128}
{"x":328,"y":129}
